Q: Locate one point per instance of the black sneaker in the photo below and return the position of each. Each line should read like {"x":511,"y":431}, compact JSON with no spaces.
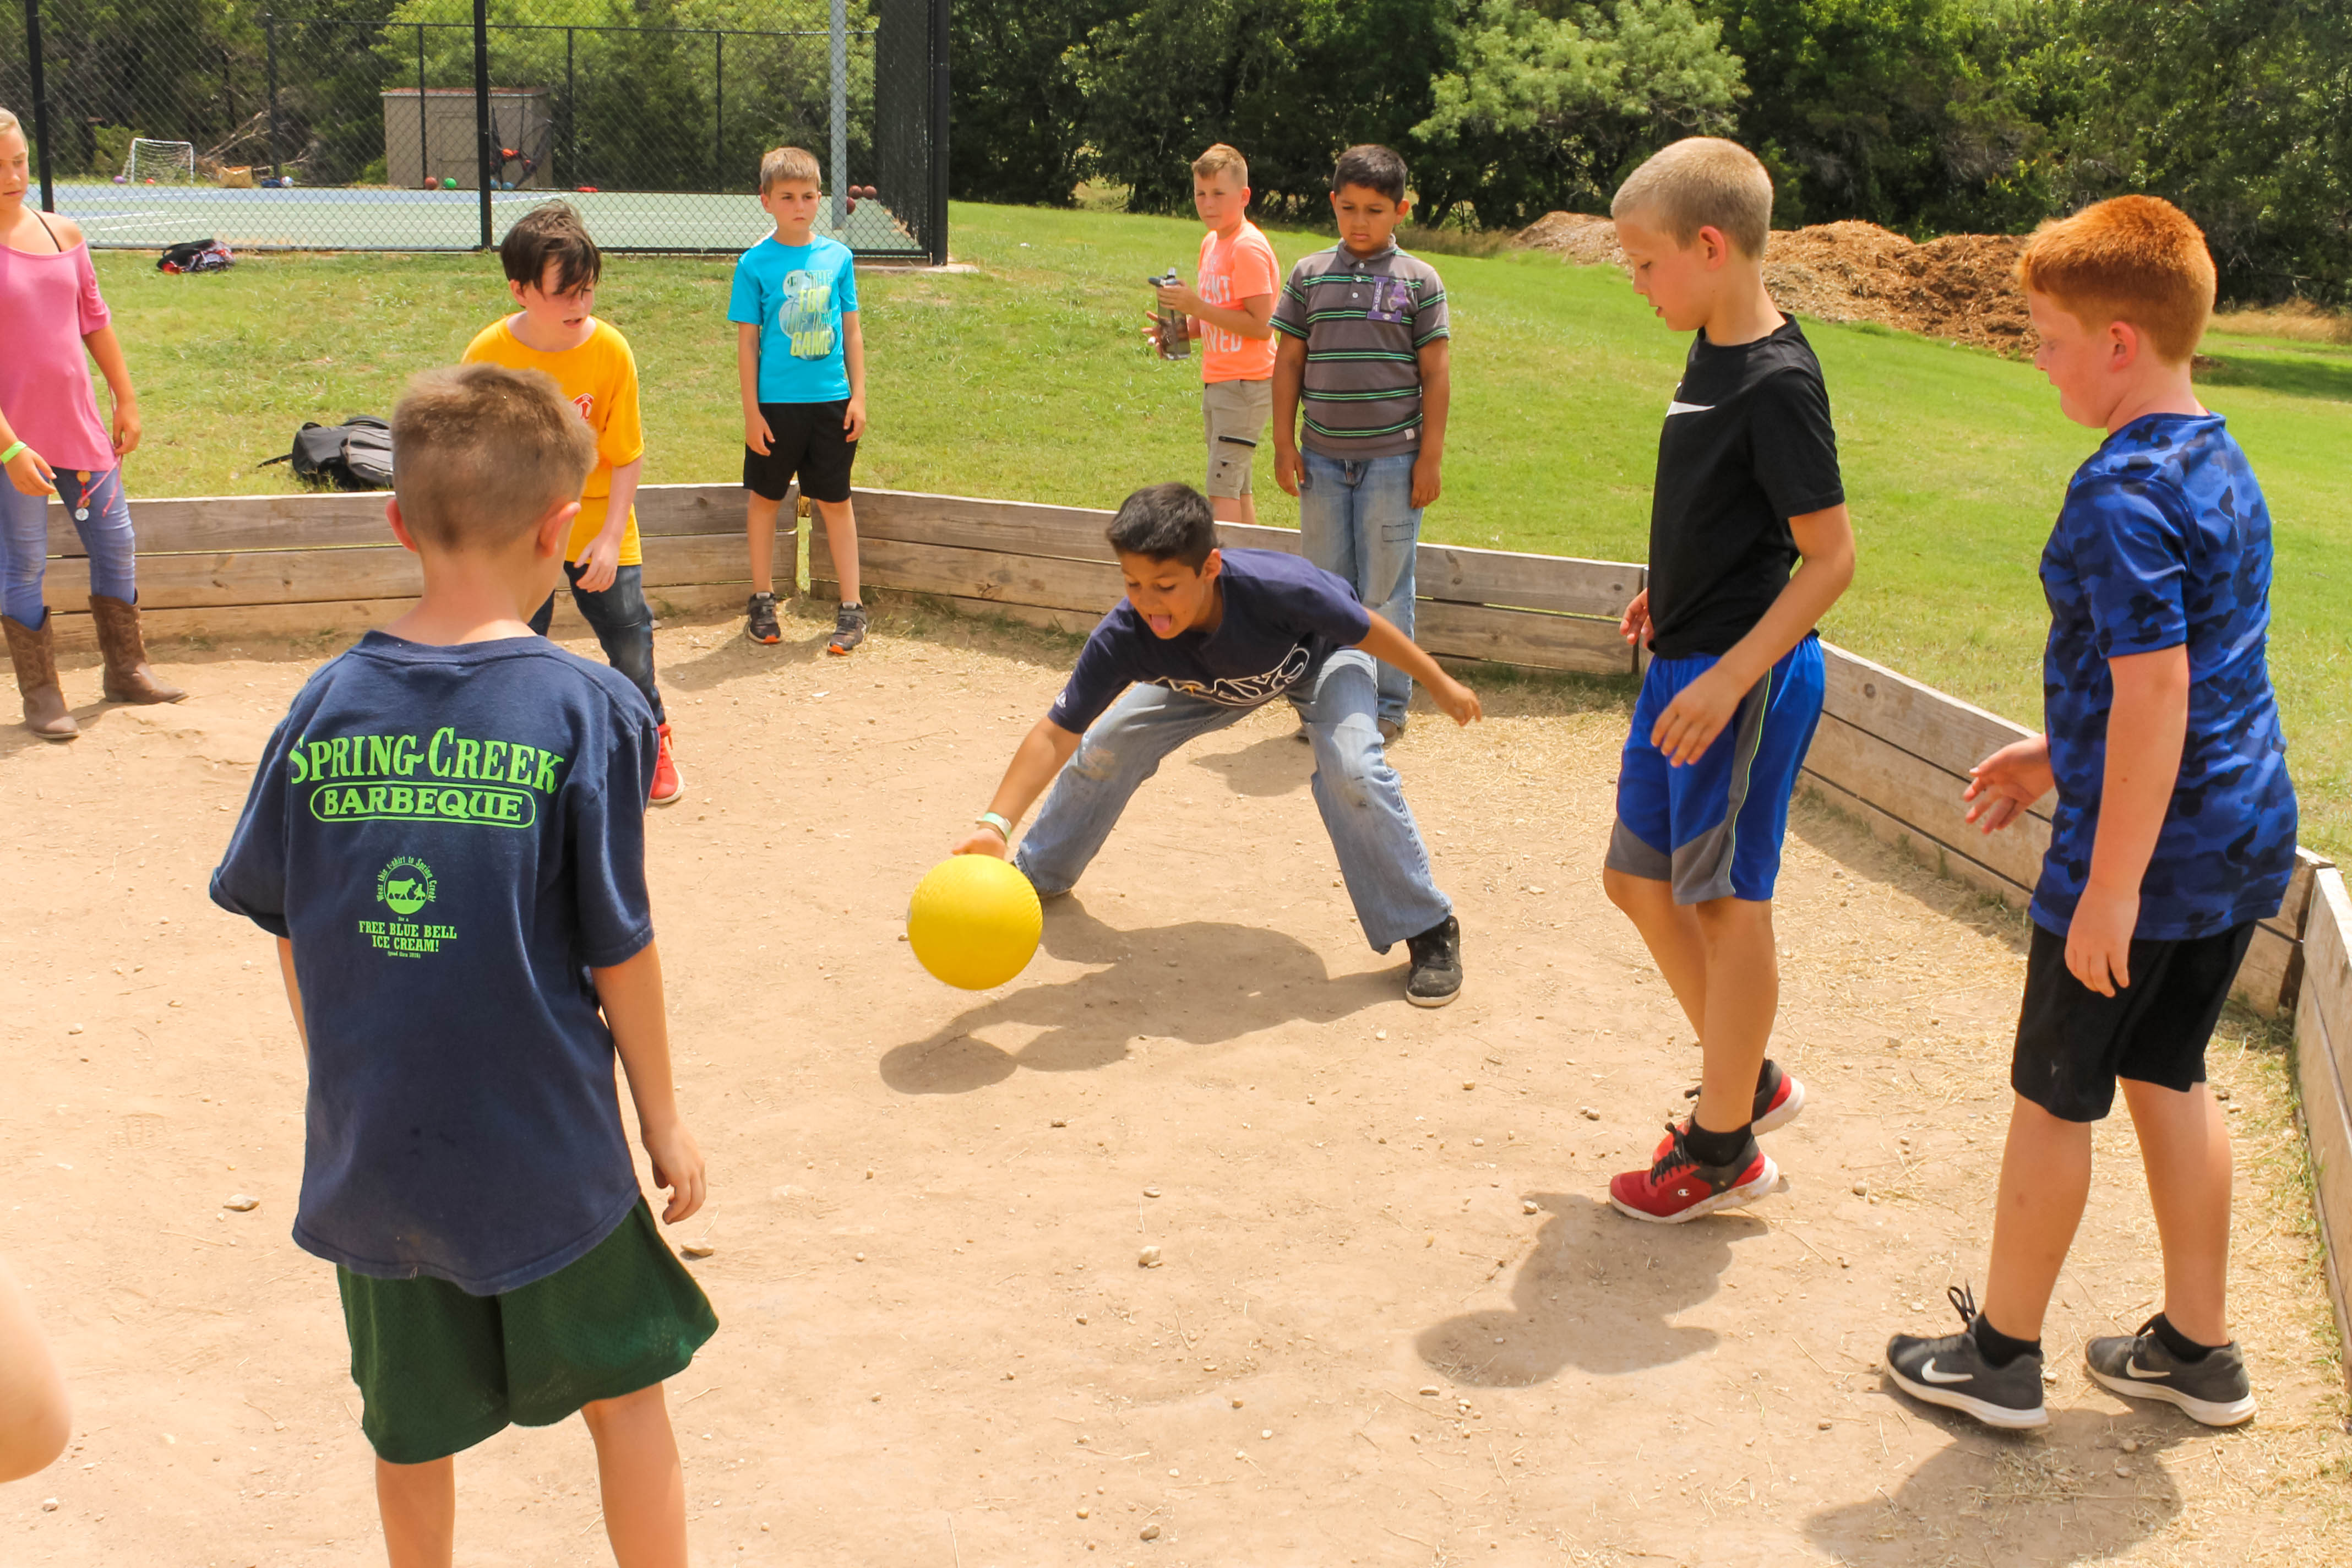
{"x":760,"y":619}
{"x":1436,"y":977}
{"x":1952,"y":1372}
{"x":2214,"y":1391}
{"x":848,"y":628}
{"x":1779,"y":1097}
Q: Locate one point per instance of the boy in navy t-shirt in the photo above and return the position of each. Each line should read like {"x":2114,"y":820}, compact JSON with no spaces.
{"x":1204,"y":636}
{"x":2173,"y":833}
{"x":446,"y":836}
{"x":801,"y":358}
{"x":1750,"y":545}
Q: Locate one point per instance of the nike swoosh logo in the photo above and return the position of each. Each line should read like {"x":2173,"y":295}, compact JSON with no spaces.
{"x":2134,"y":1369}
{"x":1680,"y":407}
{"x":1929,"y":1374}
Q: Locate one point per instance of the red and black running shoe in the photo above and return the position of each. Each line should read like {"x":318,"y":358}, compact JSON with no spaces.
{"x":1676,"y":1187}
{"x":1778,"y":1096}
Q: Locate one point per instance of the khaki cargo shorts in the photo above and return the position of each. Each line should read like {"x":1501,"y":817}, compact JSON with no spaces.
{"x":1234,"y":414}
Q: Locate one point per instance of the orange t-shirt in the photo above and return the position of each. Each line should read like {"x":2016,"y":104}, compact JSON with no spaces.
{"x":1230,"y":271}
{"x":600,"y":378}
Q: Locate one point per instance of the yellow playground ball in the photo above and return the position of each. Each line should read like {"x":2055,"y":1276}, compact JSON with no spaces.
{"x":974,"y":921}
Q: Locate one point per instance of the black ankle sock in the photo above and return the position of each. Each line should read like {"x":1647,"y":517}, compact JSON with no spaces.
{"x":2183,"y":1347}
{"x":1715,"y":1148}
{"x":1999,"y":1348}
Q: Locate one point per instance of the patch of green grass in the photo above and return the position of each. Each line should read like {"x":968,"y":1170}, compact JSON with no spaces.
{"x":1026,"y":379}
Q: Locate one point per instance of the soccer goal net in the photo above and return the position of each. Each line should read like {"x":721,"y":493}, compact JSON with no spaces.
{"x":160,"y":163}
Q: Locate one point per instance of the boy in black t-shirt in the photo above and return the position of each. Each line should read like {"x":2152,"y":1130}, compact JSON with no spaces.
{"x":447,"y":837}
{"x":1204,"y":636}
{"x":1747,"y":488}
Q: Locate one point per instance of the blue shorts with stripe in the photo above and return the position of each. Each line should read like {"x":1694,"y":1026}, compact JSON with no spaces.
{"x":1713,"y":828}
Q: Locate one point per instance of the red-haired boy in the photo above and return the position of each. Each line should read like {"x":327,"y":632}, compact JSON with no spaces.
{"x":2173,"y":833}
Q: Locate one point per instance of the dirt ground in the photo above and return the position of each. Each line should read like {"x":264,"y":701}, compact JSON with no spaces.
{"x":1959,"y":286}
{"x":1395,"y":1322}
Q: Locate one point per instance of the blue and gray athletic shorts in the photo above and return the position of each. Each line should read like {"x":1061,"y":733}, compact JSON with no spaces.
{"x":1713,"y":828}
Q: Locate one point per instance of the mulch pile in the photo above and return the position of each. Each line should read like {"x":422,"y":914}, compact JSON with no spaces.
{"x":1960,"y":288}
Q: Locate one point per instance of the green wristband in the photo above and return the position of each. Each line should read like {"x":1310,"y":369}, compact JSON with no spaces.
{"x":10,"y":455}
{"x":1004,"y":828}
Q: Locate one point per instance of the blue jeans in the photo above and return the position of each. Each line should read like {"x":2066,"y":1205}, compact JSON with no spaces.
{"x":1356,"y":518}
{"x":1381,"y":855}
{"x":623,"y":624}
{"x":24,"y":543}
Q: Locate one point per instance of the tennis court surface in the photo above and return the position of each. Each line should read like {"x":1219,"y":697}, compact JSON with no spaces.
{"x":148,"y":217}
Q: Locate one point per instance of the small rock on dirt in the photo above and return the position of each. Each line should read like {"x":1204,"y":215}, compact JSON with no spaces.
{"x":698,"y":1249}
{"x":1591,"y":1114}
{"x":1528,"y":1206}
{"x":1148,"y":1258}
{"x":1152,"y":1192}
{"x":1430,"y":1391}
{"x":1150,"y":1532}
{"x":1862,"y":1189}
{"x":242,"y":1204}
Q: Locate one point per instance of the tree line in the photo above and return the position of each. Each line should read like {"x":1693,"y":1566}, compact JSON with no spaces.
{"x":1925,"y":116}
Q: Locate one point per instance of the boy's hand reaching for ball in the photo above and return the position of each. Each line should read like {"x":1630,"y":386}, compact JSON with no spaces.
{"x":677,"y":1166}
{"x":983,"y":840}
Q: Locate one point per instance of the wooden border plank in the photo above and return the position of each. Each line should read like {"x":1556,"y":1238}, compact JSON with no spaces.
{"x":1942,"y":858}
{"x":2323,"y":1039}
{"x":1925,"y":798}
{"x":1509,"y":579}
{"x":1573,"y":643}
{"x":990,"y":577}
{"x":1932,"y":726}
{"x":2270,"y":973}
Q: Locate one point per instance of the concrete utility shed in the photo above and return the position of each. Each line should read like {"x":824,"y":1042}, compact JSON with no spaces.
{"x":443,"y":145}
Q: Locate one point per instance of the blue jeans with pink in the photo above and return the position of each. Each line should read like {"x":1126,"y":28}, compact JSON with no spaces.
{"x":102,"y":515}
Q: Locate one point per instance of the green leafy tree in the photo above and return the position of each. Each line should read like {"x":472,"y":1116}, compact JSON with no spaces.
{"x":1546,"y":110}
{"x":1018,"y":98}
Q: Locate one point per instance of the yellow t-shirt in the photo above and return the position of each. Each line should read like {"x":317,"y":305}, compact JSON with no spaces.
{"x":600,"y":378}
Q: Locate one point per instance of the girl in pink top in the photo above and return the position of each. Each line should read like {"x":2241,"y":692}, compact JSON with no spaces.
{"x":51,"y":440}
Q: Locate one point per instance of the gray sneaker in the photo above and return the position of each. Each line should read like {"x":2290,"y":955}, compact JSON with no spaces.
{"x":2214,"y":1391}
{"x":848,"y":628}
{"x":1952,"y":1372}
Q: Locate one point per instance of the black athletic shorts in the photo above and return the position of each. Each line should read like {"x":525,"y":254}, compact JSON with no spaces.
{"x":805,"y":440}
{"x":2072,"y":1043}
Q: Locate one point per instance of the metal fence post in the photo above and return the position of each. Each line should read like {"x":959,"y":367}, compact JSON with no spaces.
{"x":840,"y":55}
{"x":937,"y":228}
{"x":571,"y":114}
{"x":482,"y":111}
{"x":40,"y":101}
{"x":269,"y":36}
{"x":719,"y":110}
{"x":424,"y":136}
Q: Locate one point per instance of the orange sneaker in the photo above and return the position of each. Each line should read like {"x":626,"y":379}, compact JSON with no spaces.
{"x":668,"y":787}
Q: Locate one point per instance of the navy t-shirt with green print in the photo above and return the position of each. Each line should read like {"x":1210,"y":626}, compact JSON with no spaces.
{"x":452,"y":838}
{"x":2164,"y":540}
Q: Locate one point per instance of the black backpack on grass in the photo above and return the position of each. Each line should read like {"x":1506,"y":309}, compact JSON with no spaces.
{"x":352,"y":457}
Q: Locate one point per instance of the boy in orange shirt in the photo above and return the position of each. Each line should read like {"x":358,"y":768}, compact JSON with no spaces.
{"x":1232,"y":315}
{"x":551,"y":268}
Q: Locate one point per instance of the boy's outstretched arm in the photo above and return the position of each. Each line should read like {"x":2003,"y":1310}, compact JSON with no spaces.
{"x":2146,"y":731}
{"x":1392,"y":647}
{"x":1700,"y":711}
{"x":1039,"y":757}
{"x":632,"y":994}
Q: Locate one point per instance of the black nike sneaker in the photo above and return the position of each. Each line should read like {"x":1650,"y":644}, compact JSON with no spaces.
{"x":1952,"y":1372}
{"x":1436,"y":975}
{"x":760,"y":619}
{"x":2214,"y":1391}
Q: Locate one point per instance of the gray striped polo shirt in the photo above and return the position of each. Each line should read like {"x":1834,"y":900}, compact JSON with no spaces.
{"x":1364,"y":320}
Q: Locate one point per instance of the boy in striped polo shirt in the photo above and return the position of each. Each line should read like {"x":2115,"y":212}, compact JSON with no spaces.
{"x":1362,"y":341}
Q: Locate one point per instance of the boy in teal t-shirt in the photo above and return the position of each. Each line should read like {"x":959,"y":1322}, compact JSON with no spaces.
{"x":801,"y":362}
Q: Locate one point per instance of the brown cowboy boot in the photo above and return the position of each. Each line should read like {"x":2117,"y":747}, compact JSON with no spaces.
{"x":37,"y":677}
{"x":127,"y":679}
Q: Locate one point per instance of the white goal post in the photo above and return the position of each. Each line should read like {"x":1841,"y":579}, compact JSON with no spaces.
{"x":165,"y":162}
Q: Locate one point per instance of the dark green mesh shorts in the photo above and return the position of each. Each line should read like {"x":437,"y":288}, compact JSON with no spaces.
{"x":440,"y":1370}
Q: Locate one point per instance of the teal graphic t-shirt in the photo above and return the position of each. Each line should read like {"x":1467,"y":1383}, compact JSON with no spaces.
{"x":453,"y":837}
{"x":797,"y":295}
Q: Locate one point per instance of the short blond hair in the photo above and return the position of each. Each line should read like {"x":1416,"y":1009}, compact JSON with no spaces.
{"x":480,"y":453}
{"x":1702,"y":182}
{"x":1219,"y":160}
{"x":2135,"y":258}
{"x":789,"y":163}
{"x":8,"y":121}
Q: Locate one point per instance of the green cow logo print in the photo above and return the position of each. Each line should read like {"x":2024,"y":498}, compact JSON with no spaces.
{"x":404,"y":885}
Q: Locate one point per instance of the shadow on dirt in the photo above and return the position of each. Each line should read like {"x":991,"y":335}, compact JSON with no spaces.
{"x":2050,"y":1497}
{"x":1596,"y":1293}
{"x":1202,"y":983}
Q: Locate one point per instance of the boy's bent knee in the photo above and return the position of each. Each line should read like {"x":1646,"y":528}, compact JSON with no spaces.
{"x":1095,"y":762}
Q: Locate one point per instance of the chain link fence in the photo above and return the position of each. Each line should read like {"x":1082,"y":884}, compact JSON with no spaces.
{"x":434,"y":125}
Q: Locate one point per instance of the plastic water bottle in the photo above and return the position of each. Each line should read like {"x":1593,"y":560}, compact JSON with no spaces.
{"x":1175,"y":329}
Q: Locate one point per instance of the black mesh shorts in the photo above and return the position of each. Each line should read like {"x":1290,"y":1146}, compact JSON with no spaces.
{"x":2072,"y":1043}
{"x":808,"y":441}
{"x":439,"y":1369}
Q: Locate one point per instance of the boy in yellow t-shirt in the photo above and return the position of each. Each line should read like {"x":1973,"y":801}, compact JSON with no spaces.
{"x":552,"y":268}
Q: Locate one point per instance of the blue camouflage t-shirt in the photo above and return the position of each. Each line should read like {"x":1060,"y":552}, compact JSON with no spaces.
{"x":452,"y":838}
{"x":2164,"y":540}
{"x":1283,"y":618}
{"x":797,"y":295}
